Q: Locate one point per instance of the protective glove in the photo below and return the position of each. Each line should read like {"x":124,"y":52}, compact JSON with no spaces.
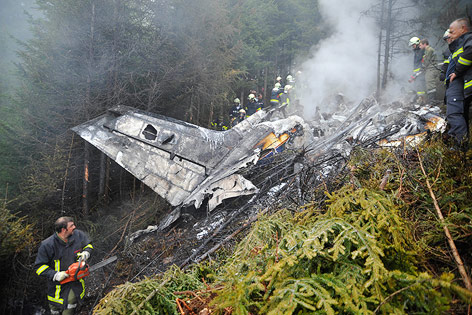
{"x":85,"y":255}
{"x":59,"y":276}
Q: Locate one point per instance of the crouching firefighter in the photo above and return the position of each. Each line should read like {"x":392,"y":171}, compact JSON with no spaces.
{"x":55,"y":255}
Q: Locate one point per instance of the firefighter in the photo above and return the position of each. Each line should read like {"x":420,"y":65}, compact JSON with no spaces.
{"x":290,"y":80}
{"x":260,"y":101}
{"x":459,"y":81}
{"x":285,"y":99}
{"x":275,"y":95}
{"x":55,"y":255}
{"x":234,"y":111}
{"x":252,"y":105}
{"x":417,"y":78}
{"x":242,"y":116}
{"x":446,"y":55}
{"x":428,"y":66}
{"x":279,"y":80}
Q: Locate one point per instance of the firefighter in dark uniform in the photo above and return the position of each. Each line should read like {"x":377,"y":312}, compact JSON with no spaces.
{"x":252,"y":106}
{"x":55,"y":255}
{"x":459,"y":81}
{"x":275,"y":95}
{"x":234,"y":112}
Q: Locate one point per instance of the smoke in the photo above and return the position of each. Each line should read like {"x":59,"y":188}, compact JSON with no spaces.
{"x":345,"y":62}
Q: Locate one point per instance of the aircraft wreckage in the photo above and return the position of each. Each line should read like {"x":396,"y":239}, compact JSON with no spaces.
{"x":185,"y":163}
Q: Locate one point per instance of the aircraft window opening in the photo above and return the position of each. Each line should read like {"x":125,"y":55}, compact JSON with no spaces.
{"x":150,"y":133}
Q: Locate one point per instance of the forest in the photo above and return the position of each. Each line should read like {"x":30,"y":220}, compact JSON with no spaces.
{"x":66,"y":62}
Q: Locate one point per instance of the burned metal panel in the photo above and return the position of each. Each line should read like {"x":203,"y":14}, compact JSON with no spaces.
{"x":179,"y":161}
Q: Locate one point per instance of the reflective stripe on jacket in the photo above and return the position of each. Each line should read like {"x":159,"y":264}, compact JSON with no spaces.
{"x":55,"y":255}
{"x":463,"y":59}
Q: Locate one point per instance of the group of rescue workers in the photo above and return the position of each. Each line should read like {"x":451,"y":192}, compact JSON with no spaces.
{"x":279,"y":97}
{"x":455,"y":72}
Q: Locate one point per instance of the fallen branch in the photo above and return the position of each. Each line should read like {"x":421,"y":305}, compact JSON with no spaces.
{"x":217,"y":246}
{"x":455,"y":253}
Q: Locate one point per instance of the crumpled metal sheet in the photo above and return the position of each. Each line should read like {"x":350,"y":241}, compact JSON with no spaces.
{"x":183,"y":163}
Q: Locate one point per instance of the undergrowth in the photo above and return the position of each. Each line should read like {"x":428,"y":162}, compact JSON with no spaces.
{"x":375,"y":246}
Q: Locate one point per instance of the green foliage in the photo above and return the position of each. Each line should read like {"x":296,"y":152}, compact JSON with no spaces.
{"x":362,"y":252}
{"x":15,"y":234}
{"x":331,"y":263}
{"x":150,"y":296}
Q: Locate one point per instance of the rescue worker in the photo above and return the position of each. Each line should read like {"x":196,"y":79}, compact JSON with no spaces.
{"x":446,"y":54}
{"x":285,"y":99}
{"x":240,"y":118}
{"x":290,"y":81}
{"x":55,"y":255}
{"x":417,"y":77}
{"x":279,"y":81}
{"x":260,"y":101}
{"x":252,"y":105}
{"x":459,"y":82}
{"x":234,"y":111}
{"x":275,"y":95}
{"x":428,"y":66}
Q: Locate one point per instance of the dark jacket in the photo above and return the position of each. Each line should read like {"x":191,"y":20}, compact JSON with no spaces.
{"x":463,"y":58}
{"x":234,"y":111}
{"x":453,"y":48}
{"x":442,"y":75}
{"x":252,"y":107}
{"x":55,"y":255}
{"x":417,"y":60}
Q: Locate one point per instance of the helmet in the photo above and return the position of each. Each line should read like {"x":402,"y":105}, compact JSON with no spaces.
{"x":287,"y":88}
{"x":446,"y":34}
{"x":277,"y":85}
{"x":414,"y":41}
{"x":289,"y":78}
{"x":251,"y":96}
{"x":236,"y":100}
{"x":242,"y":111}
{"x":279,"y":78}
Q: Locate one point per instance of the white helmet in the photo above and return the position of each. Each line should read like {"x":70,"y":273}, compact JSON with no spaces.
{"x":446,"y":35}
{"x":289,"y":78}
{"x":414,"y":41}
{"x":287,"y":88}
{"x":279,"y":78}
{"x":236,"y":100}
{"x":251,"y":96}
{"x":242,"y":111}
{"x":277,"y":85}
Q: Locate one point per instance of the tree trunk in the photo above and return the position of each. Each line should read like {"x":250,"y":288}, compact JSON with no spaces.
{"x":88,"y":105}
{"x":387,"y":43}
{"x":102,"y":176}
{"x":85,"y":180}
{"x":379,"y":56}
{"x":265,"y":84}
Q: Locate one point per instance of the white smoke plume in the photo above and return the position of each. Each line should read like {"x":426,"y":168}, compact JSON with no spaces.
{"x":345,"y":62}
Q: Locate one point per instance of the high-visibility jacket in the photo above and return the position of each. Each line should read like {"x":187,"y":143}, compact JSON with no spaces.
{"x":463,"y":59}
{"x":56,"y":255}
